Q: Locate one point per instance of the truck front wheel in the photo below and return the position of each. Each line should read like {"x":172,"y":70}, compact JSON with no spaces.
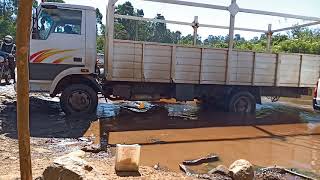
{"x":79,"y":99}
{"x":242,"y":102}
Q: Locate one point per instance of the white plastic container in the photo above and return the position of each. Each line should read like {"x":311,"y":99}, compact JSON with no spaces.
{"x":127,"y":158}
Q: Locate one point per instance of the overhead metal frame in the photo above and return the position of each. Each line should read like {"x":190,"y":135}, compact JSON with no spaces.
{"x":233,"y":9}
{"x":227,"y":8}
{"x":297,"y":26}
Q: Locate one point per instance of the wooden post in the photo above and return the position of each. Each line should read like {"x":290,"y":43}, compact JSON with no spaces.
{"x":269,"y":36}
{"x":23,"y":40}
{"x":195,"y":30}
{"x":109,"y":39}
{"x":233,"y":9}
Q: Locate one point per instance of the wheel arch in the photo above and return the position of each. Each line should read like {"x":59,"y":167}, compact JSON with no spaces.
{"x":68,"y":77}
{"x":255,"y":91}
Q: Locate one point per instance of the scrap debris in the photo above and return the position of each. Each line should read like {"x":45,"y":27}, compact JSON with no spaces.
{"x":207,"y":159}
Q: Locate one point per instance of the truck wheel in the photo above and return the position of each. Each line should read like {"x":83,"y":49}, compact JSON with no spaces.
{"x":79,"y":99}
{"x":242,"y":102}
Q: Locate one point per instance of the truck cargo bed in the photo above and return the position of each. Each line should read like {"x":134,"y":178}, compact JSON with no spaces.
{"x":134,"y":61}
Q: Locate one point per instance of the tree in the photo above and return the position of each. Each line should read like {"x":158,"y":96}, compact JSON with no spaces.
{"x":129,"y":25}
{"x":8,"y":11}
{"x":160,"y":31}
{"x":100,"y":44}
{"x":188,"y":40}
{"x":35,"y":4}
{"x":176,"y":37}
{"x":99,"y":18}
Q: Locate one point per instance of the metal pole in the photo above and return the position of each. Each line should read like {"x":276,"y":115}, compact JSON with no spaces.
{"x":269,"y":37}
{"x":297,"y":26}
{"x":23,"y":40}
{"x":195,"y":30}
{"x":252,"y":11}
{"x":233,"y":9}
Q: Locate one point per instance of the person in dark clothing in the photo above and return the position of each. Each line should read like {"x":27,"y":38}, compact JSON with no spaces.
{"x":9,"y":47}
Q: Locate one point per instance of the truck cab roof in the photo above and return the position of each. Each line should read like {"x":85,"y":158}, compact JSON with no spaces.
{"x":63,"y":5}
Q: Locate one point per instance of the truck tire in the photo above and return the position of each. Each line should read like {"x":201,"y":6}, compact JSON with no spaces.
{"x":242,"y":102}
{"x":79,"y":100}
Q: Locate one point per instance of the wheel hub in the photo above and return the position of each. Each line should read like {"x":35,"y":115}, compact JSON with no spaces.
{"x":242,"y":105}
{"x":79,"y":100}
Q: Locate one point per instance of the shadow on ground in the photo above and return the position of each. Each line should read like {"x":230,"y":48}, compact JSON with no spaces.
{"x":46,"y":120}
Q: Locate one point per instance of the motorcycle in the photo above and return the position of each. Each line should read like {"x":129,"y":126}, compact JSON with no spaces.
{"x":5,"y":71}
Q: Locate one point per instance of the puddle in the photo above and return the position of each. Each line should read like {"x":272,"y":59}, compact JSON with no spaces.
{"x":284,"y":134}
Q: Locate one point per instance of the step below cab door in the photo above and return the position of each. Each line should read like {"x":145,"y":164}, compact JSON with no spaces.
{"x":57,"y":44}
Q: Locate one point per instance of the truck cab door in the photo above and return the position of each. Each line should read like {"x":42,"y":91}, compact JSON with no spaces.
{"x":57,"y":43}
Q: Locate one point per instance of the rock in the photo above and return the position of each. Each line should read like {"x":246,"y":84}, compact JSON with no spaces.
{"x":11,"y":158}
{"x":156,"y":167}
{"x":217,"y":177}
{"x":242,"y":170}
{"x":78,"y":153}
{"x":69,"y":167}
{"x":94,"y":148}
{"x":222,"y":170}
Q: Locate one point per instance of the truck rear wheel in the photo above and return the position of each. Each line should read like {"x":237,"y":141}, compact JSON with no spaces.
{"x":79,"y":99}
{"x":242,"y":102}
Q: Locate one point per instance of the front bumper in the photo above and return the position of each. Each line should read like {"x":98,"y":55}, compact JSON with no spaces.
{"x":315,"y":105}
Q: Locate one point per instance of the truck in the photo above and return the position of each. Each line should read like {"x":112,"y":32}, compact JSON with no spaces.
{"x":63,"y":61}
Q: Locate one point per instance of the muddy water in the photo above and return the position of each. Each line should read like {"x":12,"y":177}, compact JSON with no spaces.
{"x":285,"y":133}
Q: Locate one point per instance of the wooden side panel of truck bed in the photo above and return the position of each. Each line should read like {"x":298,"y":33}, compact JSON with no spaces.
{"x":165,"y":63}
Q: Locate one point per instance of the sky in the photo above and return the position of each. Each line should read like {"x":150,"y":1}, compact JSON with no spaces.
{"x":218,"y":17}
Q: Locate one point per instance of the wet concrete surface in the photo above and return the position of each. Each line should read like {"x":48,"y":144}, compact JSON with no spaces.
{"x":286,"y":133}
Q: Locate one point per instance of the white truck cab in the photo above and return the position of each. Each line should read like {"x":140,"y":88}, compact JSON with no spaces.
{"x":63,"y":43}
{"x":316,"y":98}
{"x":63,"y":55}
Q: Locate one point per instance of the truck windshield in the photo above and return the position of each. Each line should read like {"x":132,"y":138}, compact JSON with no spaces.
{"x":58,"y":21}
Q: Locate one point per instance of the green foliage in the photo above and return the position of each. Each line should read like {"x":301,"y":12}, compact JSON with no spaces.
{"x":100,"y":44}
{"x":7,"y":27}
{"x":8,"y":11}
{"x":99,"y":18}
{"x":140,"y":30}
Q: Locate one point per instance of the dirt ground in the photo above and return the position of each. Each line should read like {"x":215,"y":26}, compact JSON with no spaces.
{"x":44,"y":151}
{"x":54,"y":135}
